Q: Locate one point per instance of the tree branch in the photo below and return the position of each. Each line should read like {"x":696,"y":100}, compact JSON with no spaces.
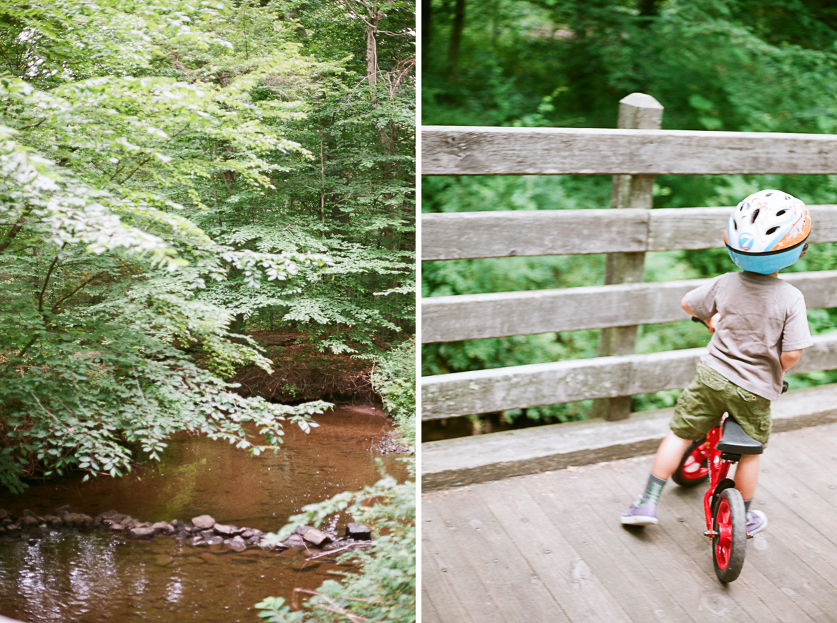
{"x":57,"y":305}
{"x":15,"y":230}
{"x":46,"y":282}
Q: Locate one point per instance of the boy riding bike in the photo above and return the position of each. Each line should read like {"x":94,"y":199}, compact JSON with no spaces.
{"x":759,"y":328}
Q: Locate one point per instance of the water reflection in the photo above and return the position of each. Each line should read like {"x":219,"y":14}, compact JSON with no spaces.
{"x":71,"y":577}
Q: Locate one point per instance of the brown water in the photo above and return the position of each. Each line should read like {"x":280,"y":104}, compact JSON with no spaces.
{"x":72,"y":577}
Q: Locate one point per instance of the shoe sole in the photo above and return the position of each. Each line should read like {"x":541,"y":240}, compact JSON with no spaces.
{"x":639,"y":521}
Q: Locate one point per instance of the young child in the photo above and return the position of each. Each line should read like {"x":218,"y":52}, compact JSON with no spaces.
{"x":759,"y":329}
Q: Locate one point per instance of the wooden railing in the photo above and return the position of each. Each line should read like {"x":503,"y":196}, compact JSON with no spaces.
{"x":625,"y":301}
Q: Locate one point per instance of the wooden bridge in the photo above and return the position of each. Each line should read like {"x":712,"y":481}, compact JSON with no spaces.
{"x":547,"y":546}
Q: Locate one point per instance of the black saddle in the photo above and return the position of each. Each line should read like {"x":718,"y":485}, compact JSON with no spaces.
{"x":736,"y":441}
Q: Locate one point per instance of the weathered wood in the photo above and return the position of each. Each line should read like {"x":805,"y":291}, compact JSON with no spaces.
{"x":482,"y":458}
{"x":563,"y":526}
{"x":486,"y":391}
{"x":521,"y":592}
{"x":449,"y":578}
{"x":637,"y":111}
{"x":452,"y":150}
{"x":470,"y":235}
{"x":562,"y":565}
{"x":476,"y":316}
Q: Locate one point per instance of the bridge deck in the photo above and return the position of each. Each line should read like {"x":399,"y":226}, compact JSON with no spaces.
{"x":549,"y":547}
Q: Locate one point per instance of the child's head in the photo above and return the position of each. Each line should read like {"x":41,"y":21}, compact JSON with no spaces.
{"x":767,"y":231}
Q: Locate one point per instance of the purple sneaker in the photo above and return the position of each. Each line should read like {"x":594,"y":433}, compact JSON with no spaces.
{"x":756,"y":522}
{"x":640,"y":514}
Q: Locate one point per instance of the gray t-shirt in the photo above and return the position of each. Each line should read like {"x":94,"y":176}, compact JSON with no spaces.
{"x":761,"y":317}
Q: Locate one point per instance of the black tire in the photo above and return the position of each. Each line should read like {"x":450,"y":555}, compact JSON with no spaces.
{"x":729,"y":521}
{"x":694,"y":466}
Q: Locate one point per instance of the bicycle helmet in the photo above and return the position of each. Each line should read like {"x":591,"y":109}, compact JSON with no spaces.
{"x":767,"y":231}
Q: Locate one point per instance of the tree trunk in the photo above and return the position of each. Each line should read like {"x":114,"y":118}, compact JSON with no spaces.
{"x":648,"y":8}
{"x":456,"y":39}
{"x":372,"y":51}
{"x":426,"y":25}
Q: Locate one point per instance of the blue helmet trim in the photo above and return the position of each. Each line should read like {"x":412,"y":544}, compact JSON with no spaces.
{"x":766,"y":263}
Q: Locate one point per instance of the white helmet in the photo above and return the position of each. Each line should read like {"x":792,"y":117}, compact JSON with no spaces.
{"x":767,"y":231}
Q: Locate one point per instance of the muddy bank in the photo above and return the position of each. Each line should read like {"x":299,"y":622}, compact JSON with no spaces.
{"x":301,"y":373}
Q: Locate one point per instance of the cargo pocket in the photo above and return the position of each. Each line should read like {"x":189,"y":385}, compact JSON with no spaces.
{"x":710,"y":378}
{"x":748,"y":396}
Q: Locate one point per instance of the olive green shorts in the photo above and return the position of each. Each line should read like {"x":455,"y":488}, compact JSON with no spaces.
{"x":708,"y":397}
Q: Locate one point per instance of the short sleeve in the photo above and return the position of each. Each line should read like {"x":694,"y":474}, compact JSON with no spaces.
{"x":702,"y":300}
{"x":796,"y":334}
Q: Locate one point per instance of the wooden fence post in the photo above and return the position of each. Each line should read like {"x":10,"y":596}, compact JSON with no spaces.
{"x":641,"y":112}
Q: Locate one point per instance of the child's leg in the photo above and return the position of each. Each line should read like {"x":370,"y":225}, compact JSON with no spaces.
{"x":644,"y":511}
{"x":669,"y":455}
{"x":747,"y":475}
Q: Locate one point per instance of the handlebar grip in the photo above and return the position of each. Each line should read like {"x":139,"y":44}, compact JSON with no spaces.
{"x":696,"y":319}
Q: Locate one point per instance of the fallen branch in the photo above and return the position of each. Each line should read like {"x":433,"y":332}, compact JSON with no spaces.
{"x":340,"y":549}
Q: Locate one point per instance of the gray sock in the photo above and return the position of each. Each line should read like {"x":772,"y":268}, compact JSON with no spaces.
{"x":747,"y":505}
{"x":653,"y":489}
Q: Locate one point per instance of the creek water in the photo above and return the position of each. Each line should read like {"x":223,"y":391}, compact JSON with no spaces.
{"x":80,"y":577}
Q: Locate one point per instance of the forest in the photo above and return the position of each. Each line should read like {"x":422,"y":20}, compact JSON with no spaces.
{"x":193,"y":191}
{"x":733,"y":65}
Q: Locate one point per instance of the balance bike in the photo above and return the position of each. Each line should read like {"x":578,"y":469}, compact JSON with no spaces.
{"x":726,"y":517}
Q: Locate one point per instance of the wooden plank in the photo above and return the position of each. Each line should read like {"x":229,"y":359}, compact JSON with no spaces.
{"x":487,"y":391}
{"x":477,"y":316}
{"x":521,"y":591}
{"x":638,"y":111}
{"x":482,"y":458}
{"x":470,"y":235}
{"x":428,"y":614}
{"x":461,"y":150}
{"x":675,"y":551}
{"x":681,"y":518}
{"x":583,"y":594}
{"x":447,"y":576}
{"x":638,"y":591}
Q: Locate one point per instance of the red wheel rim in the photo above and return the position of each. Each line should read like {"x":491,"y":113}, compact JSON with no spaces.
{"x":723,"y":540}
{"x":695,"y":466}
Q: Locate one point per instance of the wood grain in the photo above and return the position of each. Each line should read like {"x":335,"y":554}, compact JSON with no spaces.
{"x":459,"y":150}
{"x":470,"y":235}
{"x":486,"y":391}
{"x":476,"y":316}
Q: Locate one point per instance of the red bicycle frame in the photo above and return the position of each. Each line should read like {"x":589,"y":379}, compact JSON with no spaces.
{"x":718,"y":470}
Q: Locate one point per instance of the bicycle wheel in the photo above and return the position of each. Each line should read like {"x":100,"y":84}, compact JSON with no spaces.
{"x":694,"y":466}
{"x":729,"y":521}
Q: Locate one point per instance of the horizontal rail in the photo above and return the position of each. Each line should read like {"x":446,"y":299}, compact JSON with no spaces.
{"x":486,"y":391}
{"x":477,"y":316}
{"x":454,"y":150}
{"x":470,"y":235}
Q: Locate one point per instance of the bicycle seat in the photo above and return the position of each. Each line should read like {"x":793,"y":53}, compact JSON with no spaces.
{"x":736,"y":441}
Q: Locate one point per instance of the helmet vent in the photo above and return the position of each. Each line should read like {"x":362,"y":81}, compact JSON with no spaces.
{"x":771,"y":230}
{"x":755,"y":215}
{"x":780,"y":212}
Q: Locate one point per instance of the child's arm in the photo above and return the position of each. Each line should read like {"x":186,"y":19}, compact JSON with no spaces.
{"x":710,"y":324}
{"x":789,"y":359}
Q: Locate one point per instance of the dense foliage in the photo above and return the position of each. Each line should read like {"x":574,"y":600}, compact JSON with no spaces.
{"x":173,"y":177}
{"x":713,"y":64}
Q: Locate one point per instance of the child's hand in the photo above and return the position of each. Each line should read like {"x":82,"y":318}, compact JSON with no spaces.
{"x":712,"y":323}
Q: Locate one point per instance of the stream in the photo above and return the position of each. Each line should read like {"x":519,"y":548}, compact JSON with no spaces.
{"x":78,"y":577}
